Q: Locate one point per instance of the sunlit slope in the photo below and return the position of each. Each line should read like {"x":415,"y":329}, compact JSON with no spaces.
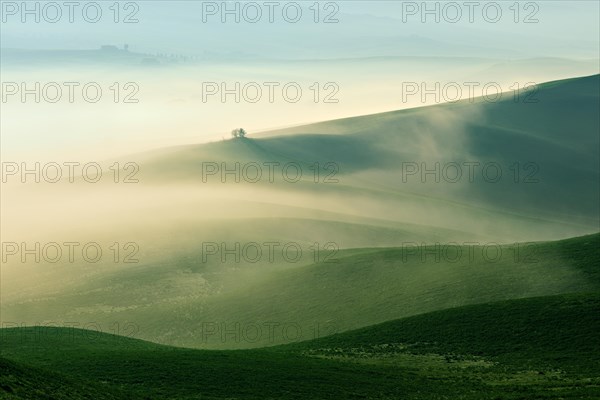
{"x":533,"y":156}
{"x":355,"y":171}
{"x":198,"y":254}
{"x":242,"y":305}
{"x":375,"y":286}
{"x":544,"y":348}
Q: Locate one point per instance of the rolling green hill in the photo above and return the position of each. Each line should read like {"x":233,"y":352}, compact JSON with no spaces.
{"x":541,"y":140}
{"x":559,"y":332}
{"x":228,"y":305}
{"x":543,"y":348}
{"x":364,"y":195}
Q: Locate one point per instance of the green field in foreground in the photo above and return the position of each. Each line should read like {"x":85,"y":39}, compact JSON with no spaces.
{"x":537,"y":348}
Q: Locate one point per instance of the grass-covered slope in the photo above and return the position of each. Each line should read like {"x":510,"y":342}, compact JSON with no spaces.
{"x":25,"y":382}
{"x":534,"y":176}
{"x":542,"y":139}
{"x":376,"y":285}
{"x":542,"y":348}
{"x":201,"y":305}
{"x":557,"y":332}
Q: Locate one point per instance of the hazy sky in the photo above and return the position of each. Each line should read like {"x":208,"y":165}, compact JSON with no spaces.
{"x":543,"y":28}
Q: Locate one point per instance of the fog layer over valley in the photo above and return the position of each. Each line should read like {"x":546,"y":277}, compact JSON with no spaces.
{"x":270,"y":226}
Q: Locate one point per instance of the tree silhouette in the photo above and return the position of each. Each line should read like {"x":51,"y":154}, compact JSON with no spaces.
{"x":238,"y":133}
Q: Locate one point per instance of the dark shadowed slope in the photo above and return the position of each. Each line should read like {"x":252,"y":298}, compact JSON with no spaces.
{"x":542,"y":348}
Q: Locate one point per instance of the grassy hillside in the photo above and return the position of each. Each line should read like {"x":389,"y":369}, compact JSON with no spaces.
{"x":553,"y":127}
{"x":543,"y":348}
{"x":538,"y":149}
{"x":558,"y":332}
{"x":378,"y":285}
{"x":26,"y":382}
{"x":226,"y":306}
